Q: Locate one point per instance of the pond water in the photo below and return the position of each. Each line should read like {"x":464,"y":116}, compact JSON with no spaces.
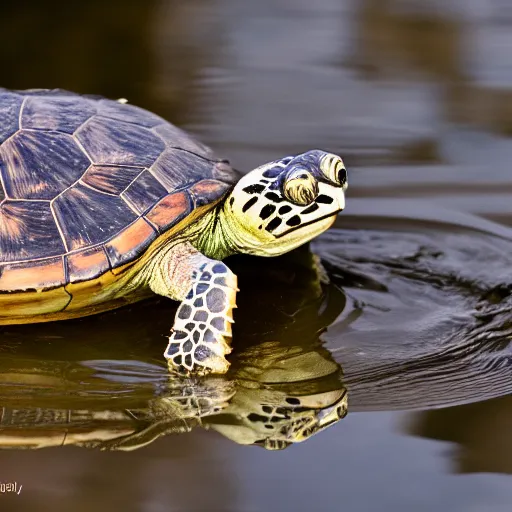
{"x":400,"y":355}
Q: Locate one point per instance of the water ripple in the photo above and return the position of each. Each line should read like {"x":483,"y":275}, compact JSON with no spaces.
{"x":434,"y":313}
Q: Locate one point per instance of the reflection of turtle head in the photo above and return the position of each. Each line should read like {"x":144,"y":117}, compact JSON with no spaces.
{"x":285,"y":203}
{"x":284,"y":397}
{"x":293,"y":420}
{"x":298,"y":427}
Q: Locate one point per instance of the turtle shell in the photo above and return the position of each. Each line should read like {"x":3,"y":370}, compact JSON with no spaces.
{"x":87,"y":184}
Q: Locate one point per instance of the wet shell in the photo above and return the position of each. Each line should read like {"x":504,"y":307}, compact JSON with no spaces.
{"x":88,"y":184}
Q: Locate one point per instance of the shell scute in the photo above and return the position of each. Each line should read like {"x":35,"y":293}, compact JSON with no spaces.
{"x":86,"y":264}
{"x":88,"y":217}
{"x":39,"y":274}
{"x":144,"y":192}
{"x":128,"y":113}
{"x":176,"y":168}
{"x":169,"y":210}
{"x":40,"y":165}
{"x":27,"y":231}
{"x":119,"y":143}
{"x":60,"y":113}
{"x":174,"y":137}
{"x":208,"y":191}
{"x":129,"y":244}
{"x":110,"y":179}
{"x":10,"y":106}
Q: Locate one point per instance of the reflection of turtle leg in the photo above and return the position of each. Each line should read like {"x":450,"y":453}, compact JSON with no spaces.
{"x":202,"y":327}
{"x":179,"y":408}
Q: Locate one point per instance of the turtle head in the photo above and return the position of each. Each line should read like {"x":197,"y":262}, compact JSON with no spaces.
{"x":285,"y":203}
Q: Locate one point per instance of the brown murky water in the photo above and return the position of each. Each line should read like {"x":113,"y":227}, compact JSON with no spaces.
{"x":413,"y":329}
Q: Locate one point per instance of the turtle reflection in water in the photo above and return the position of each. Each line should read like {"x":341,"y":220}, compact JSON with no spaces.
{"x":103,"y":203}
{"x":282,"y":387}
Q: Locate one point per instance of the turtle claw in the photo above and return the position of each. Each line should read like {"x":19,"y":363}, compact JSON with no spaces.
{"x":199,"y":340}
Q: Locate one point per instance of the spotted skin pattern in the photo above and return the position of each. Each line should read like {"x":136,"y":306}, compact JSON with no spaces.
{"x":202,"y":326}
{"x":290,"y":421}
{"x":272,"y":214}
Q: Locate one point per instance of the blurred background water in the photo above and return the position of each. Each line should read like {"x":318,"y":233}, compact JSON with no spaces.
{"x":416,"y":95}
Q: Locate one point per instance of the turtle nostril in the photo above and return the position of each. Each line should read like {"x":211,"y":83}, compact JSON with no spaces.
{"x":342,"y":176}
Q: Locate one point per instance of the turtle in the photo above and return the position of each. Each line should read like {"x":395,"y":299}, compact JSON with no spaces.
{"x":104,"y":203}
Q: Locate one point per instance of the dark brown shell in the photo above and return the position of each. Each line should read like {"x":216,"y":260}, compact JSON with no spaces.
{"x":87,"y":184}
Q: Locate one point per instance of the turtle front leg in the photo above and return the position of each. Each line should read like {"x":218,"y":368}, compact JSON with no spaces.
{"x":201,"y":334}
{"x":202,"y":327}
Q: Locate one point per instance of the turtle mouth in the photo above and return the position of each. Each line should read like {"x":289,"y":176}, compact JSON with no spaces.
{"x":313,"y":221}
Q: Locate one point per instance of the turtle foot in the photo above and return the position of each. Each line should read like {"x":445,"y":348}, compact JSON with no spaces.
{"x":201,"y":335}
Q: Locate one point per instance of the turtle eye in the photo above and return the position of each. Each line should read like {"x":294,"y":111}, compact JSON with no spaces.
{"x":300,"y":187}
{"x":334,"y":170}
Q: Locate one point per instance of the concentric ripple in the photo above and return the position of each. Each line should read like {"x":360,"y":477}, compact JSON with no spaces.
{"x":429,"y":315}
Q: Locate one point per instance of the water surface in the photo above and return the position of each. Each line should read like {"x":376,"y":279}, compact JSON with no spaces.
{"x":410,"y":332}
